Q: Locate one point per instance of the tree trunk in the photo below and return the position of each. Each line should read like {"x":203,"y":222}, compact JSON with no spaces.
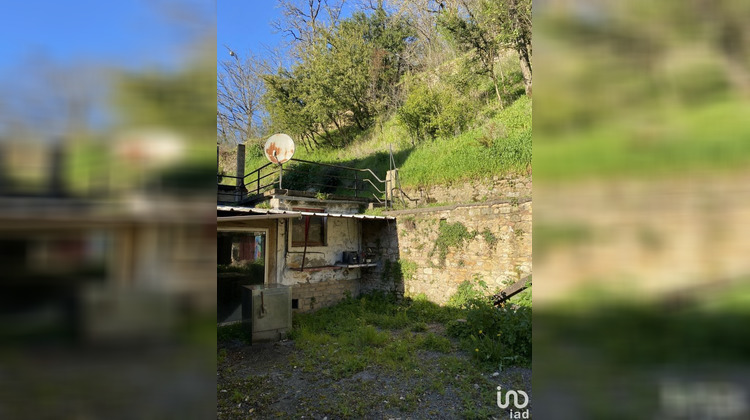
{"x":502,"y":80}
{"x":312,"y":134}
{"x":327,"y":135}
{"x":497,"y":90}
{"x":302,"y":137}
{"x":525,"y":61}
{"x":356,"y":120}
{"x":336,"y":123}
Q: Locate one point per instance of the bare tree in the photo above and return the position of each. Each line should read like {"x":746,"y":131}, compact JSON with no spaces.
{"x":239,"y":93}
{"x":303,"y":20}
{"x":429,"y":49}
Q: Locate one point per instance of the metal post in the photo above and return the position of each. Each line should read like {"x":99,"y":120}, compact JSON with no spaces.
{"x":355,"y":184}
{"x":304,"y":251}
{"x":281,"y":174}
{"x":258,"y":189}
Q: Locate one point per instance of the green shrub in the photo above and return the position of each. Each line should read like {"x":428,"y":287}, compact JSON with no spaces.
{"x":468,"y":292}
{"x":417,"y":112}
{"x":453,"y":116}
{"x":428,"y":113}
{"x":523,"y":298}
{"x":506,"y":332}
{"x":492,"y":335}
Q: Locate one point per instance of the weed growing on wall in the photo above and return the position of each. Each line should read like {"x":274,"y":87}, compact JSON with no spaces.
{"x":409,"y":223}
{"x":450,"y":235}
{"x":408,"y":269}
{"x":490,"y":238}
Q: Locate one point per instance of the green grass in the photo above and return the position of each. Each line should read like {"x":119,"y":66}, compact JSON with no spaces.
{"x":406,"y":341}
{"x":655,"y":142}
{"x":236,"y":331}
{"x":498,"y":144}
{"x":375,"y":330}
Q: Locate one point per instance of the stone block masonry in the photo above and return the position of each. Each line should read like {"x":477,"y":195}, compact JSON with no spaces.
{"x":441,"y":247}
{"x":381,"y":238}
{"x":311,"y":296}
{"x":494,"y":188}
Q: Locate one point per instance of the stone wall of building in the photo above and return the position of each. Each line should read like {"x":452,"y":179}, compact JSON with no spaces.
{"x":494,"y":225}
{"x":380,"y":237}
{"x":490,"y":241}
{"x":311,"y":296}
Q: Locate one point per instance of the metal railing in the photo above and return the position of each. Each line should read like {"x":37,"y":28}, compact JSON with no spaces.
{"x":308,"y":176}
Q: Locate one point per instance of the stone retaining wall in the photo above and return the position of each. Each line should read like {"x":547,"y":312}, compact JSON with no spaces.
{"x":496,"y":248}
{"x":493,"y":188}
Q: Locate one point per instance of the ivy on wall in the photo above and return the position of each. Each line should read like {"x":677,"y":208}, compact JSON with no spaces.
{"x":450,"y":235}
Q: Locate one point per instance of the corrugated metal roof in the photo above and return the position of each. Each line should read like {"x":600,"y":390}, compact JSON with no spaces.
{"x":291,"y":213}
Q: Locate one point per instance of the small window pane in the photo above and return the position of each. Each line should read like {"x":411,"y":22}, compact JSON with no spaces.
{"x":316,"y":232}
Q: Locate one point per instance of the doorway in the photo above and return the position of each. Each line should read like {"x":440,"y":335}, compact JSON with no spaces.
{"x":242,"y":260}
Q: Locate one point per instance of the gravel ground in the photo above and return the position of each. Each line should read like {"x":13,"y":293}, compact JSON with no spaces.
{"x":265,"y":381}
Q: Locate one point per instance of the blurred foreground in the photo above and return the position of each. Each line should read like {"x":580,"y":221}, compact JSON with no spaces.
{"x":642,"y":222}
{"x":107,"y":221}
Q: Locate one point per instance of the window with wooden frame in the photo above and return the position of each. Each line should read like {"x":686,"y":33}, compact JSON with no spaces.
{"x":316,"y":234}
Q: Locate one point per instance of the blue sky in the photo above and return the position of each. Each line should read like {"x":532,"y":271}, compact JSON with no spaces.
{"x":126,"y":33}
{"x":246,"y":26}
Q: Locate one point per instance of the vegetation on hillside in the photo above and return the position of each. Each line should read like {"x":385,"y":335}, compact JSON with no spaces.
{"x":446,"y":86}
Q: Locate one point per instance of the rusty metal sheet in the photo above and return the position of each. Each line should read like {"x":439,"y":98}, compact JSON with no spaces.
{"x":279,"y":148}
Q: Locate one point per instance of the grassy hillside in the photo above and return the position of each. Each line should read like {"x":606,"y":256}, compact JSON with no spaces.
{"x":498,"y":143}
